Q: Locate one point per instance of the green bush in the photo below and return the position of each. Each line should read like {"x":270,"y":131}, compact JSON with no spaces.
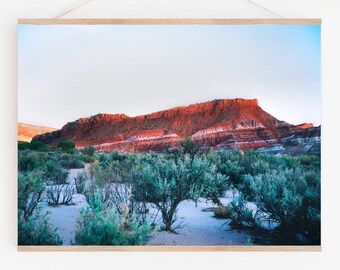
{"x":29,"y":160}
{"x":243,"y":217}
{"x":80,"y":182}
{"x":55,"y":174}
{"x":73,"y":163}
{"x":88,"y":159}
{"x":23,"y":145}
{"x":103,"y":158}
{"x":37,"y":230}
{"x":116,"y":185}
{"x":100,"y":224}
{"x":33,"y":227}
{"x":66,"y":146}
{"x":37,"y":145}
{"x":285,"y":189}
{"x":290,"y":197}
{"x":167,"y":183}
{"x":89,"y":151}
{"x":30,"y":189}
{"x":190,"y":147}
{"x":229,"y":164}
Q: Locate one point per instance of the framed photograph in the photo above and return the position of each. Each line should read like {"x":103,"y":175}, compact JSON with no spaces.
{"x":169,"y":135}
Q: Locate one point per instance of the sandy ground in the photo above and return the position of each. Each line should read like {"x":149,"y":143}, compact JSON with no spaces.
{"x":200,"y":227}
{"x":64,"y":217}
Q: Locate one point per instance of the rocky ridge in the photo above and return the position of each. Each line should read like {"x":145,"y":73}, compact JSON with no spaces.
{"x":223,"y":123}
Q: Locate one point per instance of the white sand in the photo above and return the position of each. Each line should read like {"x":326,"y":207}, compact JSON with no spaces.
{"x":64,"y":217}
{"x":200,"y":227}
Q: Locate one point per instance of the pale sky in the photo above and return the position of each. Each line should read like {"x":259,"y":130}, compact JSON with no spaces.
{"x":69,"y":72}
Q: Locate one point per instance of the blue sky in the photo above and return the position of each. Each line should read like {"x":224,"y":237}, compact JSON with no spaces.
{"x":68,"y":72}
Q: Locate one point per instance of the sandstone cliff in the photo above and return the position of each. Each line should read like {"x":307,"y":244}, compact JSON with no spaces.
{"x":218,"y":124}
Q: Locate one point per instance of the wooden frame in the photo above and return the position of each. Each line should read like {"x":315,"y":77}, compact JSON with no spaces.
{"x":172,"y":21}
{"x":183,"y":21}
{"x":170,"y":248}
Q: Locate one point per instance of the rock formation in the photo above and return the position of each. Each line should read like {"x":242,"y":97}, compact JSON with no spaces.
{"x":217,"y":124}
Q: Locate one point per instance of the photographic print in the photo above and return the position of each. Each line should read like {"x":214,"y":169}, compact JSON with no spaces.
{"x":169,"y":135}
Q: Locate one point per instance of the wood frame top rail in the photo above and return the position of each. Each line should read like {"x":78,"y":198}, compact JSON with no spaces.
{"x":290,"y":21}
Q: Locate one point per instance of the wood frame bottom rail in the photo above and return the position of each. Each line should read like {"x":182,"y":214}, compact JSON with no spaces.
{"x":169,"y":248}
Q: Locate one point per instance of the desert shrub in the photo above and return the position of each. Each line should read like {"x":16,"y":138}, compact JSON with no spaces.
{"x":167,"y":182}
{"x":103,"y":158}
{"x":33,"y":227}
{"x":80,"y":182}
{"x":65,"y":156}
{"x":290,"y":197}
{"x":72,"y":163}
{"x":254,"y":163}
{"x":89,"y":151}
{"x":190,"y":147}
{"x":106,"y":159}
{"x":243,"y":217}
{"x":53,"y":148}
{"x":100,"y":224}
{"x":228,"y":163}
{"x":66,"y":146}
{"x":37,"y":145}
{"x":30,"y":189}
{"x":285,"y":190}
{"x":88,"y":159}
{"x":55,"y":174}
{"x":97,"y":185}
{"x":36,"y":230}
{"x":60,"y":195}
{"x":29,"y":160}
{"x":115,"y":185}
{"x":215,"y":185}
{"x":23,"y":145}
{"x":118,"y":156}
{"x":51,"y":165}
{"x":187,"y":147}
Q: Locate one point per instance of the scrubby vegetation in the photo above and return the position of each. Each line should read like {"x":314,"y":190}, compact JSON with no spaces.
{"x":40,"y":176}
{"x":66,"y":146}
{"x":72,"y":163}
{"x":37,"y":230}
{"x":34,"y":145}
{"x":102,"y":224}
{"x":60,"y":195}
{"x":274,"y":194}
{"x":34,"y":227}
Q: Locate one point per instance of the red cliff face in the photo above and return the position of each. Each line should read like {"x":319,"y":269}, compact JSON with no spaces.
{"x":217,"y":124}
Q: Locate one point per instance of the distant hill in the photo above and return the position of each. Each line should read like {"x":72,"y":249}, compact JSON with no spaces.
{"x":26,"y":132}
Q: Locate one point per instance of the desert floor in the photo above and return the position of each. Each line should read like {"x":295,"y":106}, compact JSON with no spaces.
{"x":200,"y":227}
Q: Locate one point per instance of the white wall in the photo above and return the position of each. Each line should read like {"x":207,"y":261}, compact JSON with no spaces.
{"x":328,"y":10}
